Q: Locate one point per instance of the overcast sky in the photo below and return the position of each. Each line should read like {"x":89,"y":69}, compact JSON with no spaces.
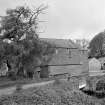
{"x":66,"y":18}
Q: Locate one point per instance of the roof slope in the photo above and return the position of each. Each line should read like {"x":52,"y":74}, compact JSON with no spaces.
{"x":58,"y":61}
{"x":60,"y":42}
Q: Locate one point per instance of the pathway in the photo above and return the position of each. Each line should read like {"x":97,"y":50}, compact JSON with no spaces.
{"x":12,"y":89}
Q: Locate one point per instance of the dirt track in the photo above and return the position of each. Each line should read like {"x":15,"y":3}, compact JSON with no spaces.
{"x":12,"y":89}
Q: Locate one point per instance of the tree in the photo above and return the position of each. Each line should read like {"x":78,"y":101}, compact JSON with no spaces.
{"x":21,"y":48}
{"x":20,"y":22}
{"x":96,"y":45}
{"x":19,"y":27}
{"x":83,"y":43}
{"x":48,"y":50}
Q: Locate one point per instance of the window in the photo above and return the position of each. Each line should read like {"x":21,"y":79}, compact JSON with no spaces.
{"x":56,"y":51}
{"x":69,"y":52}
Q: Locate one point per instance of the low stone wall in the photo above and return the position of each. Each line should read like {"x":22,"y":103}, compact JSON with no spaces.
{"x":93,"y":80}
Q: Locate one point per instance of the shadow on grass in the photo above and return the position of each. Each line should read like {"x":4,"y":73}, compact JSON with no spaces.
{"x":97,"y":94}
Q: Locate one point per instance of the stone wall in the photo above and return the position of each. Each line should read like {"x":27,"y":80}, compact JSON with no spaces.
{"x":93,"y":80}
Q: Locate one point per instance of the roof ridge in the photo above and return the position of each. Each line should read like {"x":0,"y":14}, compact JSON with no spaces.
{"x":56,"y":38}
{"x":67,"y":43}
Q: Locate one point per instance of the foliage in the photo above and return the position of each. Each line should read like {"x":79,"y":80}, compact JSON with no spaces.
{"x":20,"y":22}
{"x":47,"y":51}
{"x":97,"y":45}
{"x":20,"y":46}
{"x":83,"y":43}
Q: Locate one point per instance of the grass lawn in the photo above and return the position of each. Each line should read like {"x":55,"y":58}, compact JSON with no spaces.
{"x":58,"y":93}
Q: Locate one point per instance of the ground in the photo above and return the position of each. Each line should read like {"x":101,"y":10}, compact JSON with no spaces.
{"x":10,"y":90}
{"x":58,"y":93}
{"x":52,"y":92}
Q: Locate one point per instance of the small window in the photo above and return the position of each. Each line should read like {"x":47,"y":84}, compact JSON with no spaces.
{"x":82,"y":52}
{"x":56,"y":51}
{"x":69,"y":52}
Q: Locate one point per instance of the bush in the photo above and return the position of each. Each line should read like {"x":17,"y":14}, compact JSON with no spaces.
{"x":11,"y":75}
{"x":18,"y":87}
{"x":57,"y":82}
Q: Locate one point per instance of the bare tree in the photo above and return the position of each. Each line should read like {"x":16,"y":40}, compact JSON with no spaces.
{"x":83,"y":43}
{"x":20,"y":22}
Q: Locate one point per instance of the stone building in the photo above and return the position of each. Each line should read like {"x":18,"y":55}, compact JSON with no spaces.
{"x":69,"y":58}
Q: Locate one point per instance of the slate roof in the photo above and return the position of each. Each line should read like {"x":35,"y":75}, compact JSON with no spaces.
{"x":64,"y":43}
{"x":59,"y":59}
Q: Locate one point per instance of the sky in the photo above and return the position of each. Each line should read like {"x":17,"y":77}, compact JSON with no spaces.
{"x":67,"y":19}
